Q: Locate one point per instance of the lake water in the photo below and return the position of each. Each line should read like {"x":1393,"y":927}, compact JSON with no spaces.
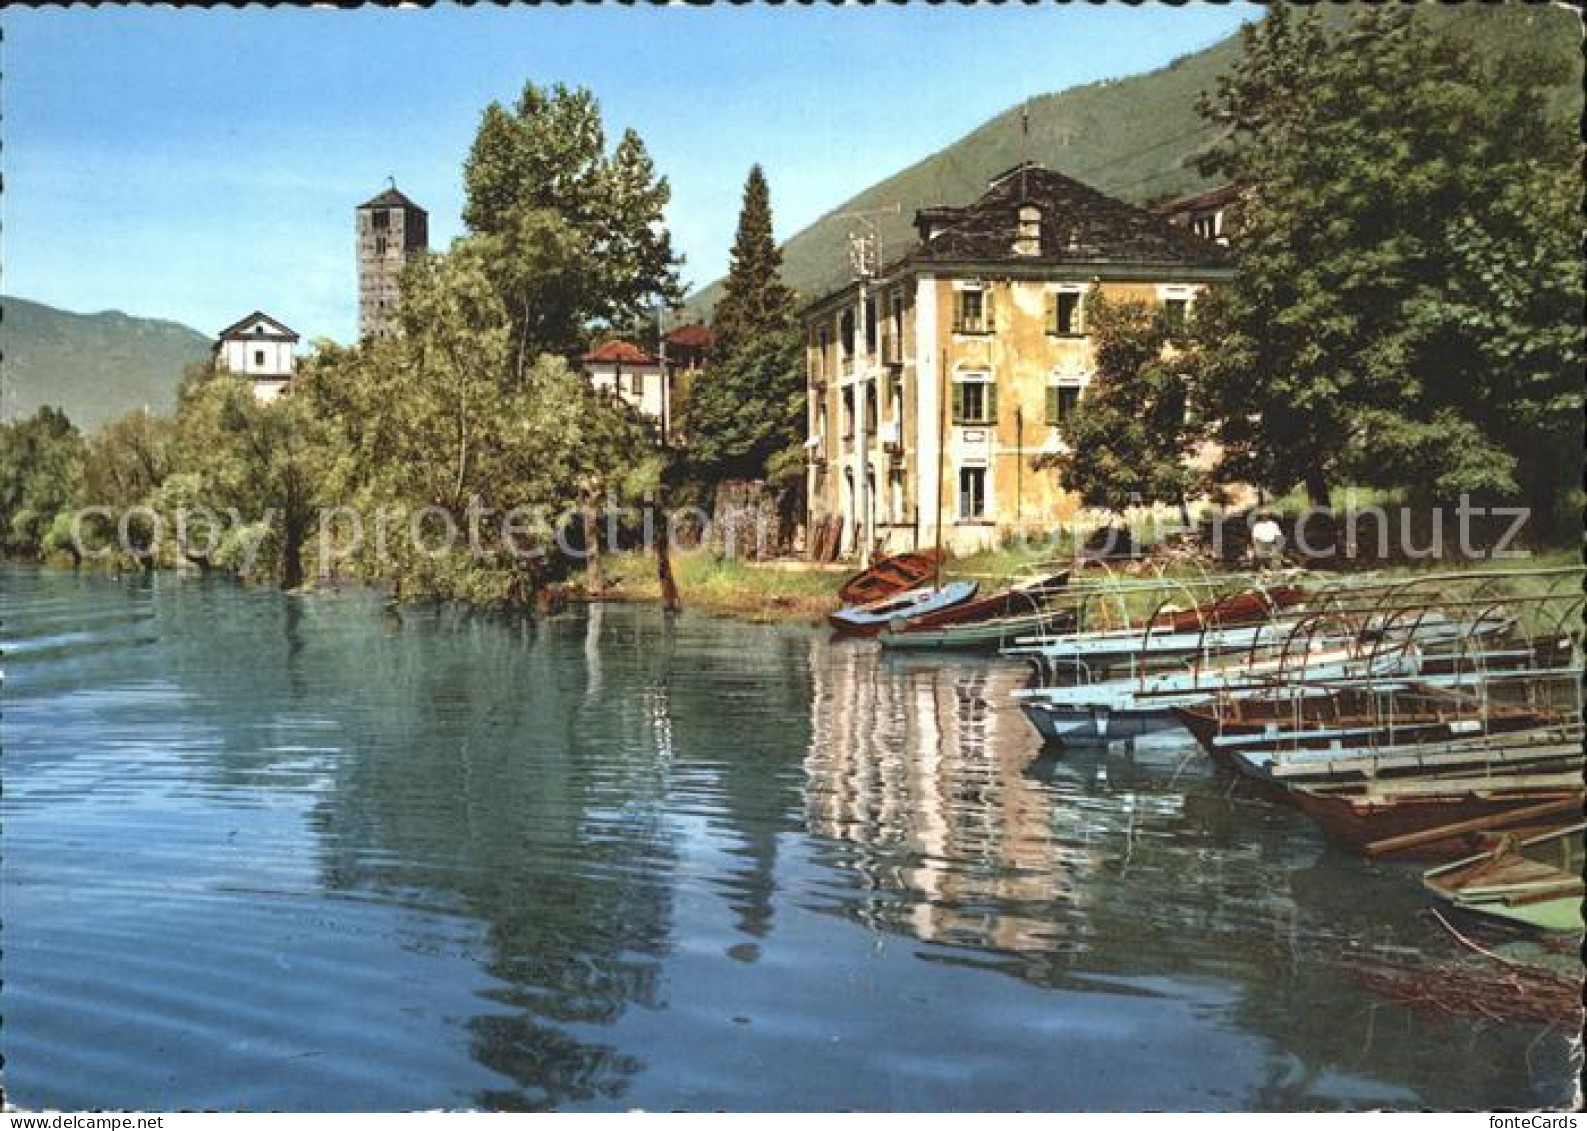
{"x":278,"y":852}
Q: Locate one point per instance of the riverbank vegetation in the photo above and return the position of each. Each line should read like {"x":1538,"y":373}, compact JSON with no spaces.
{"x":1404,"y":318}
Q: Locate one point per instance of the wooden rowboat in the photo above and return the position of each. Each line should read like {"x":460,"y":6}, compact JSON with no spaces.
{"x":1439,"y":817}
{"x":1252,"y":606}
{"x":889,"y":576}
{"x":1532,"y":881}
{"x":1346,"y":717}
{"x":868,"y":620}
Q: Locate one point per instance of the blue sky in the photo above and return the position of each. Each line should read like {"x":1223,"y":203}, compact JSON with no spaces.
{"x":197,"y":164}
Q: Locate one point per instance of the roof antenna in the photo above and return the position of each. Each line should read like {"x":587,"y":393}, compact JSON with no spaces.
{"x":1024,"y":145}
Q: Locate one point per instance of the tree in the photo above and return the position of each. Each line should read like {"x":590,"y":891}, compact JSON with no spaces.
{"x":41,"y":460}
{"x":1405,"y":310}
{"x":748,"y":407}
{"x":263,"y":461}
{"x":541,"y":186}
{"x":450,"y":419}
{"x":1127,"y":441}
{"x":125,"y":463}
{"x":754,"y":300}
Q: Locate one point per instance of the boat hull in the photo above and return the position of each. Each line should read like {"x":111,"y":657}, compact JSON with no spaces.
{"x":869,"y":620}
{"x":1092,"y":725}
{"x":1362,"y":821}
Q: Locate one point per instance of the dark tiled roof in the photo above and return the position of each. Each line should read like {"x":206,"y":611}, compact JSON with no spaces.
{"x":235,"y":329}
{"x":694,"y":336}
{"x":1212,"y":198}
{"x":391,"y":198}
{"x":1078,"y":225}
{"x":625,"y":353}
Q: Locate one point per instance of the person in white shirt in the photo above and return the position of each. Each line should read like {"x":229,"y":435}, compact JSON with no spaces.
{"x":1267,"y":540}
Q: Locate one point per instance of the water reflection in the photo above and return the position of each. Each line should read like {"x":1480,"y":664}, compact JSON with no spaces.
{"x":313,"y":855}
{"x":1114,"y":873}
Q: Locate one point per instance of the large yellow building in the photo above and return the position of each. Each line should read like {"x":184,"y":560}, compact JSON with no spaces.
{"x":936,"y":382}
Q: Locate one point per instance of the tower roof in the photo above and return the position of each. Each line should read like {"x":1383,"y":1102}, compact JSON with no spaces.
{"x":391,"y":198}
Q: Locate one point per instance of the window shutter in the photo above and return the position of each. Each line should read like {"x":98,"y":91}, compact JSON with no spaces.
{"x":991,"y":402}
{"x":988,"y":316}
{"x":958,"y":402}
{"x":1052,"y":312}
{"x":1053,"y":419}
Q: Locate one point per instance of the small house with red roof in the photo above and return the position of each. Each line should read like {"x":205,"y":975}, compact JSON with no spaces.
{"x":629,"y":372}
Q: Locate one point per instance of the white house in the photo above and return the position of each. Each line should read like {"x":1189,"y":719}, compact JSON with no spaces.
{"x":635,"y":376}
{"x":258,"y":347}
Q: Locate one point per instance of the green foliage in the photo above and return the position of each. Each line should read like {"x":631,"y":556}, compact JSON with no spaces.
{"x":1406,"y":306}
{"x":453,"y":424}
{"x":41,"y":460}
{"x":264,"y":462}
{"x":1127,"y":441}
{"x":745,"y":415}
{"x":754,"y":301}
{"x":748,"y":409}
{"x":575,"y":236}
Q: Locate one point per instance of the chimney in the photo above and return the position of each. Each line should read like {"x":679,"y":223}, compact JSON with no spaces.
{"x":1027,"y":241}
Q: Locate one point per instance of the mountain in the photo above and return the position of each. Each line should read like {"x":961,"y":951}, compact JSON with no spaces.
{"x":94,"y":366}
{"x":1136,"y":138}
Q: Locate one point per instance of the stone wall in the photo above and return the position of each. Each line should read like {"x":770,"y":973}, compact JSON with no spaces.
{"x":752,"y":521}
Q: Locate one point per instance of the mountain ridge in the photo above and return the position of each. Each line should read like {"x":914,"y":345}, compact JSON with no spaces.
{"x":1135,"y":137}
{"x":94,"y":366}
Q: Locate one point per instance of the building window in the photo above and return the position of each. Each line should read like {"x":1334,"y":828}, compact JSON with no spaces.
{"x":972,"y":494}
{"x":848,"y":413}
{"x":974,"y":400}
{"x":636,"y":384}
{"x":1062,"y":400}
{"x":895,"y":322}
{"x":895,"y":495}
{"x":823,"y":343}
{"x":1063,"y":313}
{"x":380,"y":245}
{"x":258,"y":358}
{"x":973,"y":314}
{"x":382,"y":220}
{"x":1176,"y":314}
{"x":846,"y":336}
{"x":870,"y":326}
{"x":870,"y":408}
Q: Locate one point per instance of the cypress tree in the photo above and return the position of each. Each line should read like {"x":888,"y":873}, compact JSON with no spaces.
{"x":755,"y":300}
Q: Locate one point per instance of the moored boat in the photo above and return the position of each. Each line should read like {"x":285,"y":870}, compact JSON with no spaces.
{"x":1330,"y":719}
{"x":977,"y":636}
{"x":872,"y":618}
{"x":1015,"y":601}
{"x":896,"y":574}
{"x":1250,"y":606}
{"x":1438,"y":816}
{"x":1531,"y":882}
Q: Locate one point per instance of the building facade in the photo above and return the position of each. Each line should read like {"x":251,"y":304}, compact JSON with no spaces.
{"x":1213,"y":215}
{"x":625,"y":370}
{"x":260,"y":348}
{"x":391,"y":230}
{"x":935,"y":385}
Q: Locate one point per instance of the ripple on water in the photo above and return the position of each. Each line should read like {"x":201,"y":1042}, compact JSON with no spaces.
{"x":266,"y":851}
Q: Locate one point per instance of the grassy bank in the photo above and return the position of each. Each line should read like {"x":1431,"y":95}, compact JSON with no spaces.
{"x":787,"y":592}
